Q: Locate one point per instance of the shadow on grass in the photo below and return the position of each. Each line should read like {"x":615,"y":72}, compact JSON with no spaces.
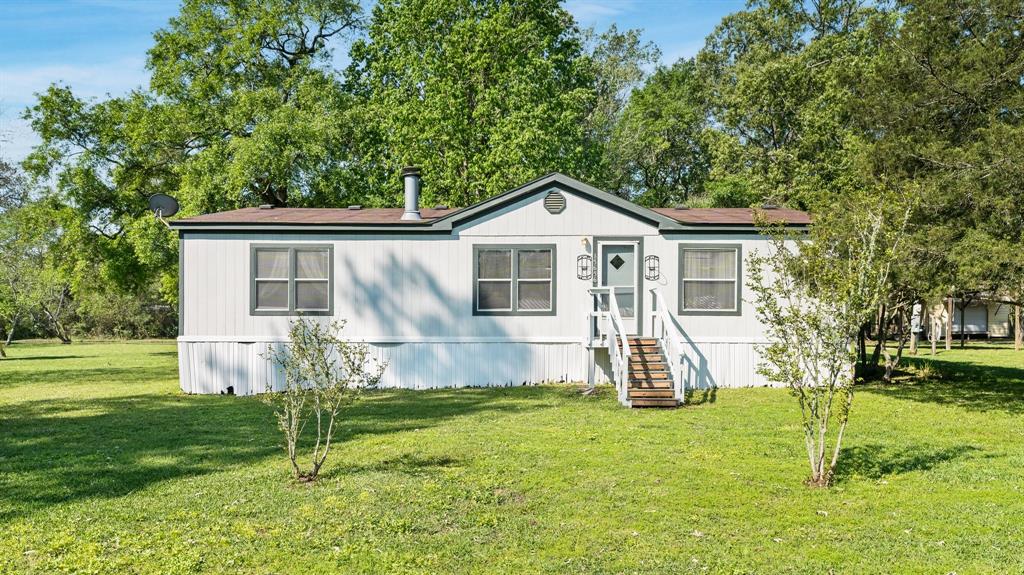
{"x":16,"y":359}
{"x":877,"y":461}
{"x":962,"y":383}
{"x":408,"y":464}
{"x":100,"y":375}
{"x":55,"y":451}
{"x":700,"y":396}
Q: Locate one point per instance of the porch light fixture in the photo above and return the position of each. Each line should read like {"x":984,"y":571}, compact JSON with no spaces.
{"x":652,"y":268}
{"x":584,"y":267}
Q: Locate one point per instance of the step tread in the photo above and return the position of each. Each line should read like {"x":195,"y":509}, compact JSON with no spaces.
{"x":642,"y":374}
{"x":652,"y":393}
{"x":658,"y":384}
{"x":654,"y":402}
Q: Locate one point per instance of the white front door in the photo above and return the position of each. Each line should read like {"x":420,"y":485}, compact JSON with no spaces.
{"x":617,"y":267}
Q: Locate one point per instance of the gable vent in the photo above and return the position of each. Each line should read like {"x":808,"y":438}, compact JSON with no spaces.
{"x":554,"y":202}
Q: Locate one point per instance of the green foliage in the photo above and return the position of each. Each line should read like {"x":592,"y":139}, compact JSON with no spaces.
{"x":13,"y":187}
{"x":322,"y":374}
{"x":114,"y":314}
{"x":483,"y":95}
{"x":813,"y":295}
{"x":780,"y":79}
{"x":948,"y":93}
{"x":242,"y":109}
{"x":33,"y":272}
{"x":620,"y":61}
{"x":658,"y":145}
{"x":108,"y":468}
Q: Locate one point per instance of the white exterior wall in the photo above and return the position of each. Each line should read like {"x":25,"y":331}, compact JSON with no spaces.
{"x":999,"y":319}
{"x":410,"y":297}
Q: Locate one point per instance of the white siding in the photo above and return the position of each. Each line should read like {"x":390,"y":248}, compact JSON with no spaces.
{"x":410,"y":296}
{"x":975,"y":318}
{"x":999,"y":319}
{"x":210,"y":367}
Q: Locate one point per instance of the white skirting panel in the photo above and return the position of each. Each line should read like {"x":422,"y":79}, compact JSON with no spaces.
{"x":709,"y":364}
{"x":213,"y":367}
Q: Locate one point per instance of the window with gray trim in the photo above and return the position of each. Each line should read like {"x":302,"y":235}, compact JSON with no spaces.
{"x":514,"y":280}
{"x":709,"y":279}
{"x":291,"y":280}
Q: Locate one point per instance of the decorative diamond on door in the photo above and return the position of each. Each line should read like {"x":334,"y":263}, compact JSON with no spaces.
{"x":617,"y":261}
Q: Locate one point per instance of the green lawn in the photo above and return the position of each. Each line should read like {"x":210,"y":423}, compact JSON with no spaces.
{"x":106,"y":467}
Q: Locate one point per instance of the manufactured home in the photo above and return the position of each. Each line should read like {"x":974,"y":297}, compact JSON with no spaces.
{"x":552,"y":281}
{"x":988,"y":317}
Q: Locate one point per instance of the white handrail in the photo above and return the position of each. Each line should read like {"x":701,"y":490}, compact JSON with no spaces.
{"x":664,"y":328}
{"x":617,"y":341}
{"x":622,"y":375}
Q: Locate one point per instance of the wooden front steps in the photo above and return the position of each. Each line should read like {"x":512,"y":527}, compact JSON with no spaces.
{"x":650,"y":382}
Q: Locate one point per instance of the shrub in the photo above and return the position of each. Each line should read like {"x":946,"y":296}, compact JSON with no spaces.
{"x":322,"y":374}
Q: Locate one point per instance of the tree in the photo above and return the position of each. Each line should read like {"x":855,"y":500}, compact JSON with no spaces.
{"x":813,"y":300}
{"x":322,"y":374}
{"x":657,"y":147}
{"x":13,"y":187}
{"x":621,"y":62}
{"x":33,"y":273}
{"x":946,"y":101}
{"x":242,"y":109}
{"x":780,"y":80}
{"x":482,"y":94}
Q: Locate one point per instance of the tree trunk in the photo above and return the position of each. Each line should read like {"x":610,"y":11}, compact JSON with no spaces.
{"x":913,"y":331}
{"x":933,"y":331}
{"x":880,"y":342}
{"x":10,"y":333}
{"x":58,"y":328}
{"x":862,"y":346}
{"x":963,"y":326}
{"x":890,"y":362}
{"x":949,"y":323}
{"x":1018,"y":333}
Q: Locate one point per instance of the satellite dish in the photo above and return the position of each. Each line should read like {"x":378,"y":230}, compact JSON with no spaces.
{"x":163,"y":205}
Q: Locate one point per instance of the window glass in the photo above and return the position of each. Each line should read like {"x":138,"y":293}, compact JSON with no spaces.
{"x":272,"y":264}
{"x":272,"y":295}
{"x":494,"y":295}
{"x":534,"y":264}
{"x":290,"y":280}
{"x":709,"y":264}
{"x":709,"y":281}
{"x":494,"y":264}
{"x":534,"y":295}
{"x":311,"y":295}
{"x":709,"y":295}
{"x":516,"y":279}
{"x":311,"y":264}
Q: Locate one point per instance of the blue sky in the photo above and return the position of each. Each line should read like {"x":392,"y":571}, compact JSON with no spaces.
{"x":98,"y":47}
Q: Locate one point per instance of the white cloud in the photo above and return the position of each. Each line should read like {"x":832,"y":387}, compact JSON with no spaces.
{"x":18,"y":86}
{"x":16,"y":140}
{"x":591,"y":12}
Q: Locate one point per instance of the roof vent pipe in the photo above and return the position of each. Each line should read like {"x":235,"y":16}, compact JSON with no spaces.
{"x":411,"y":181}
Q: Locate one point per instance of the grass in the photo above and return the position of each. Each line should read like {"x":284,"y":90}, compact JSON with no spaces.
{"x":105,"y":467}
